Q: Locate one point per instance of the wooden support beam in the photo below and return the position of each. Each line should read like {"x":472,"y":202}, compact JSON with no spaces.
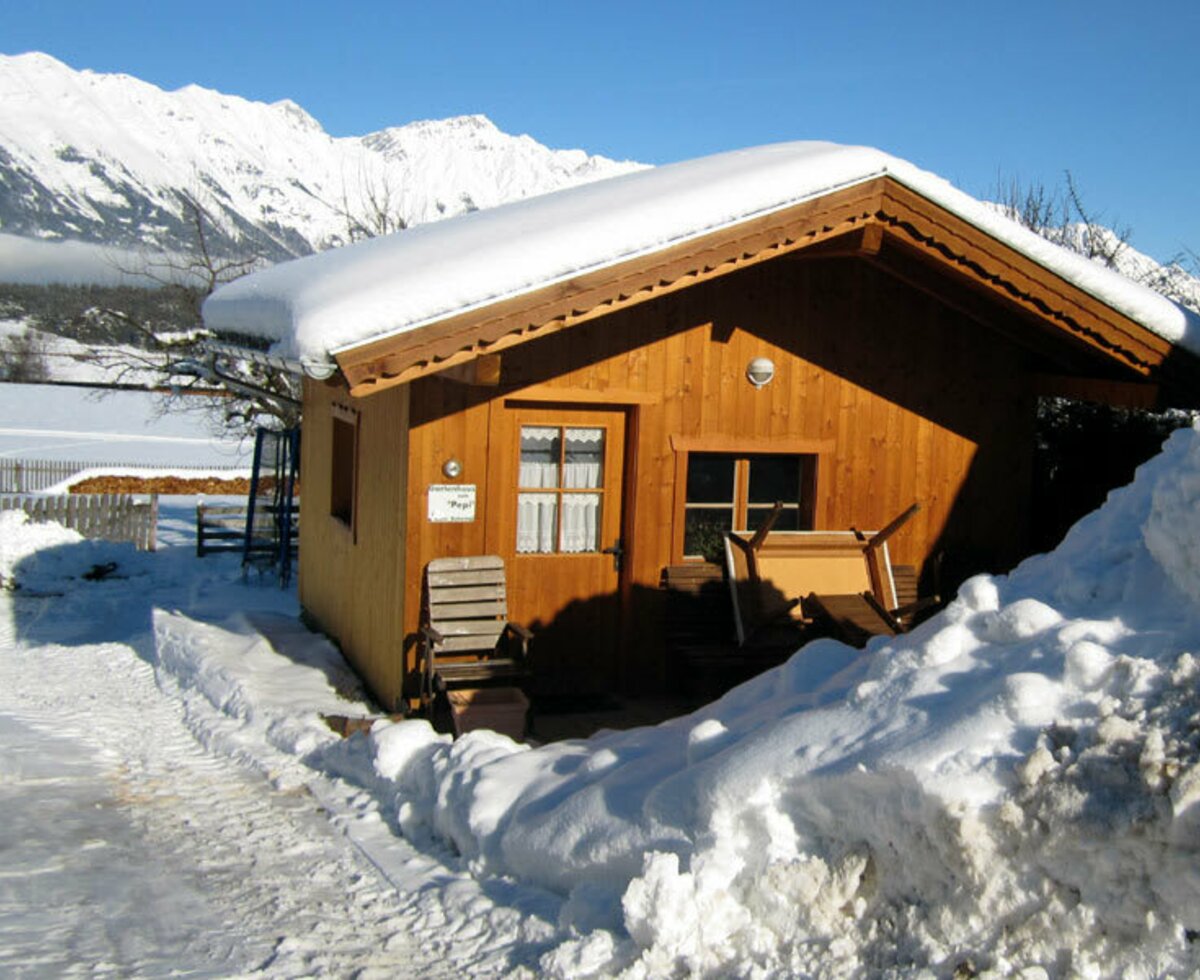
{"x":1127,"y":394}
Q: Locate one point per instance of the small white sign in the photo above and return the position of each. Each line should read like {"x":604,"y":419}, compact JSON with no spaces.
{"x":451,"y":502}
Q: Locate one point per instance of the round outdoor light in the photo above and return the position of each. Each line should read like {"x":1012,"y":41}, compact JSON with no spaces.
{"x":321,"y":370}
{"x":452,"y":468}
{"x":760,"y":371}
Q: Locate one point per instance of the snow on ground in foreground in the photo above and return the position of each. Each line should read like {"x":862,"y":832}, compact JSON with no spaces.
{"x":171,"y":798}
{"x":1013,"y":788}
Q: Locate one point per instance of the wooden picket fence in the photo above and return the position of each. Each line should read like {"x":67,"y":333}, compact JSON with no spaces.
{"x":107,"y":516}
{"x":26,"y":476}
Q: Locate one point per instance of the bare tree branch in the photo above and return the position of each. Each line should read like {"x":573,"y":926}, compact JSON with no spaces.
{"x":167,"y":353}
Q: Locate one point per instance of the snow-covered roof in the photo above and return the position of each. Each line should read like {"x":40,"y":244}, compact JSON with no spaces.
{"x":335,"y":301}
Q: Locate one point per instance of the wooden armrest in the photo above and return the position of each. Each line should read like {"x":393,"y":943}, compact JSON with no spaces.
{"x":523,"y":632}
{"x":432,"y":635}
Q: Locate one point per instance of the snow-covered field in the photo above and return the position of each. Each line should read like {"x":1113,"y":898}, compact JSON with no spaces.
{"x":1012,"y":789}
{"x":60,"y":422}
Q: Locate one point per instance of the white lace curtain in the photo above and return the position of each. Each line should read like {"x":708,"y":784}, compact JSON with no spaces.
{"x":552,"y":459}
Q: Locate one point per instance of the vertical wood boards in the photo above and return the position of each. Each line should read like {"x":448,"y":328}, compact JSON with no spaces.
{"x":920,"y":404}
{"x":355,"y":589}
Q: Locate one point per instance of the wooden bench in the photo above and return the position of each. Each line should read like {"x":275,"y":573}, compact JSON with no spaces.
{"x":703,"y":652}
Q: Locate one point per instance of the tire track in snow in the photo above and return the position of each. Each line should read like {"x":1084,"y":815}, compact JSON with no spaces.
{"x":244,"y":878}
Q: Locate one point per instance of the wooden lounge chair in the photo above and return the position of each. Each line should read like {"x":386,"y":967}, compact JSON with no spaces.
{"x":467,"y":640}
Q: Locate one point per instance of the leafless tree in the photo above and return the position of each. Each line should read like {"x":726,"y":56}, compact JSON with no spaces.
{"x":1061,"y":215}
{"x":168,"y":351}
{"x":377,"y":211}
{"x":23,"y":358}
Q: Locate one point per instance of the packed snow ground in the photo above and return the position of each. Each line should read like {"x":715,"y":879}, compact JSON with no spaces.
{"x":1013,"y":788}
{"x":160,"y":817}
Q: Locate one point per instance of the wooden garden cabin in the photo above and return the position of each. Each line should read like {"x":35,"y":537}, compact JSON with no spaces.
{"x":579,"y":384}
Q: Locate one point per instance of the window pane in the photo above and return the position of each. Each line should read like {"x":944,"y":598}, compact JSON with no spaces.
{"x":775,"y":478}
{"x":341,"y":491}
{"x":541,"y":448}
{"x":537,"y":522}
{"x":710,"y":479}
{"x":788,"y":520}
{"x":580,"y":522}
{"x":704,"y":531}
{"x":584,"y":460}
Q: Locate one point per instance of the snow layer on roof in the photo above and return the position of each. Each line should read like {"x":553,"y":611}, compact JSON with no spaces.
{"x":327,"y":303}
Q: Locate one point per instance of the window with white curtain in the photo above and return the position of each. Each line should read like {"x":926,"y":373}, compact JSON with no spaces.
{"x":560,"y":494}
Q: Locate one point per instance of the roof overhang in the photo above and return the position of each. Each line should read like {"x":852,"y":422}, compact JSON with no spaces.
{"x":881,"y":220}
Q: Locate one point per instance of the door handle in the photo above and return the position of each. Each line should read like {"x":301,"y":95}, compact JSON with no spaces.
{"x":618,"y":553}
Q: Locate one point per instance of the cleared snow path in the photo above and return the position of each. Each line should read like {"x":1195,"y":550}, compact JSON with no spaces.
{"x":171,"y":803}
{"x":128,"y":849}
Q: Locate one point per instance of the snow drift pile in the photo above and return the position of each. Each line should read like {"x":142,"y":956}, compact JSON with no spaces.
{"x":1012,"y":787}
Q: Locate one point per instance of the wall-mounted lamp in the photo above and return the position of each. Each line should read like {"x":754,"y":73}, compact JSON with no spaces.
{"x":760,"y":371}
{"x":452,"y":469}
{"x":318,"y":370}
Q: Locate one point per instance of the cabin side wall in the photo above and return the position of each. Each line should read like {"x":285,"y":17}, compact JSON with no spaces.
{"x":352,"y":577}
{"x":907,"y":399}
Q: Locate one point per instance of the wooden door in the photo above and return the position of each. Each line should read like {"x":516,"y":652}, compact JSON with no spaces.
{"x":556,"y":477}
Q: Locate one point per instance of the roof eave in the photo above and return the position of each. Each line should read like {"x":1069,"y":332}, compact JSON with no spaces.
{"x":894,"y":212}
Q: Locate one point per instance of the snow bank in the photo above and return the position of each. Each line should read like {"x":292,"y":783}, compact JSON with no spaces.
{"x":1013,"y":786}
{"x":46,"y":557}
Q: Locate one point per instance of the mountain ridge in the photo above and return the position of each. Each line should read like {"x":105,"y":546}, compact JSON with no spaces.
{"x":113,"y":160}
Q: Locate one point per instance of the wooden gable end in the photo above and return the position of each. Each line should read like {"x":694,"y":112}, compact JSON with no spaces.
{"x":881,"y":221}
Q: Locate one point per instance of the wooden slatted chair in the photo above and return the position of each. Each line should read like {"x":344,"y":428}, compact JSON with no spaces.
{"x":466,"y":637}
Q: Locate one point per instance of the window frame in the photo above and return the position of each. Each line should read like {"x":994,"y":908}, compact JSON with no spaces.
{"x":742,"y":450}
{"x":602,"y":491}
{"x":343,"y":485}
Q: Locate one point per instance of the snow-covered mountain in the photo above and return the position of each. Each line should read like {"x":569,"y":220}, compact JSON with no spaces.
{"x":110,"y":159}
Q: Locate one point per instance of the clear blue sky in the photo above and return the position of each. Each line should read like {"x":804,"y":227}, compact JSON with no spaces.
{"x":973,"y":91}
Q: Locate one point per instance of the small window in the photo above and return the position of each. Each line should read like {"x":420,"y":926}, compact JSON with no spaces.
{"x":343,"y":465}
{"x":560,"y":489}
{"x":730,"y":492}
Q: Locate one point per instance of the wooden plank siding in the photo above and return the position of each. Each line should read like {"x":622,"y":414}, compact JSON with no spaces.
{"x":906,"y":400}
{"x":909,"y":346}
{"x":352,"y":580}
